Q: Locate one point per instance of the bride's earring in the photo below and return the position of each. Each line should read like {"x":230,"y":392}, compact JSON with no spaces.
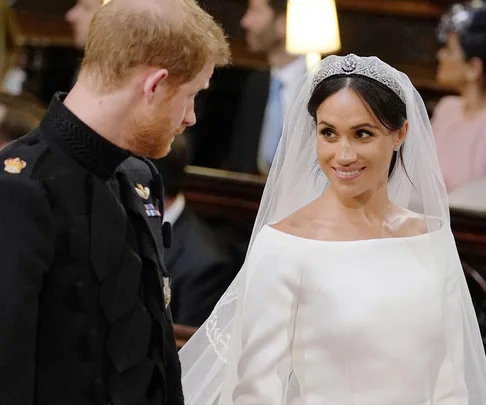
{"x":397,"y":148}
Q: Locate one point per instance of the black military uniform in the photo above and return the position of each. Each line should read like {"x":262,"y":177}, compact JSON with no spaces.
{"x":83,"y":317}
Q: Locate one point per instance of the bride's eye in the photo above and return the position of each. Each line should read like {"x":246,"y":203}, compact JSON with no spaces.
{"x":363,"y":134}
{"x":327,"y":133}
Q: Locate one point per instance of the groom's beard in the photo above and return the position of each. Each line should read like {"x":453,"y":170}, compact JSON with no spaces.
{"x":152,"y":137}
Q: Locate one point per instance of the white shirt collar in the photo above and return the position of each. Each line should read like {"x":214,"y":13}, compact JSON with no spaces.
{"x":290,"y":72}
{"x":289,"y":75}
{"x":174,"y":211}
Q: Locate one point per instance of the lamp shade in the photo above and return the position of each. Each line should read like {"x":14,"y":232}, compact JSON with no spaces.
{"x":312,"y":27}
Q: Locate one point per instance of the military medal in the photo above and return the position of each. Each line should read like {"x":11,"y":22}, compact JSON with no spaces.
{"x":143,"y":192}
{"x":151,"y":211}
{"x":167,"y":291}
{"x":14,"y":166}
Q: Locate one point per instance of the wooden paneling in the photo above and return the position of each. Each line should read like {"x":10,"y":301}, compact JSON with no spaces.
{"x":183,"y":334}
{"x":44,"y":7}
{"x":225,"y":194}
{"x":42,"y":30}
{"x":234,"y":8}
{"x":410,"y":8}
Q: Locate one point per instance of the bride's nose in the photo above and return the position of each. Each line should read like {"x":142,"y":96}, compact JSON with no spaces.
{"x":346,"y":154}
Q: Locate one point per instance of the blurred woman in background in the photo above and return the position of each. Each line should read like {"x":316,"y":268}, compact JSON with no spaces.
{"x":11,"y":75}
{"x":459,"y":122}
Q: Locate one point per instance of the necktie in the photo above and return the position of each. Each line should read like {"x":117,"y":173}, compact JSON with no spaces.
{"x":274,"y":121}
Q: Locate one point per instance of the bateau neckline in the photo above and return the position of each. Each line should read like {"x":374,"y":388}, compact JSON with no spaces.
{"x":371,"y":240}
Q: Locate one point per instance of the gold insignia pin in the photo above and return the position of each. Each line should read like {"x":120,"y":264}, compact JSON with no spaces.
{"x":167,"y":292}
{"x":14,"y":165}
{"x":143,"y":192}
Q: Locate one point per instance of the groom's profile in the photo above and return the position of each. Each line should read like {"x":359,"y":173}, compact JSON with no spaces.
{"x":84,"y":318}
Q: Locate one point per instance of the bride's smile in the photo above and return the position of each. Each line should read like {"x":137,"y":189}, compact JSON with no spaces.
{"x":356,"y":141}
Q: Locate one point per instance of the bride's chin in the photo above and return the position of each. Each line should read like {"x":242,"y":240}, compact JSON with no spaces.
{"x":348,"y":191}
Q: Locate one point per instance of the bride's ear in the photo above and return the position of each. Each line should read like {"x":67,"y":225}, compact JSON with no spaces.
{"x":401,"y":135}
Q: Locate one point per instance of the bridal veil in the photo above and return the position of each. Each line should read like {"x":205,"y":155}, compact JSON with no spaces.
{"x":209,"y":360}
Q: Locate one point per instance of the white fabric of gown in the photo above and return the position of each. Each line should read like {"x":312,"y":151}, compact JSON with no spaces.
{"x":360,"y":322}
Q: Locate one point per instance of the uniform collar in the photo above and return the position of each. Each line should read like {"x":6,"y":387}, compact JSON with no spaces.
{"x":79,"y":141}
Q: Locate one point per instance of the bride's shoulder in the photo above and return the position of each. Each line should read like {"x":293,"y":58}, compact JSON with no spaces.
{"x":294,"y":223}
{"x":287,"y":225}
{"x":305,"y":224}
{"x":408,"y":223}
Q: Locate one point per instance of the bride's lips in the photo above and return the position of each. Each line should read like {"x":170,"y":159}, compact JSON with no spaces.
{"x":348,"y":173}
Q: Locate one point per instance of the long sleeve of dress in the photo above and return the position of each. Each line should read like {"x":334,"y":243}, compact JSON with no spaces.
{"x":446,"y":387}
{"x":26,"y":253}
{"x":269,"y":312}
{"x":463,"y":372}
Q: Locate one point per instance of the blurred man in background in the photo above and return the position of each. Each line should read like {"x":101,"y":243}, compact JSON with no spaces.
{"x":259,"y":121}
{"x":80,"y":16}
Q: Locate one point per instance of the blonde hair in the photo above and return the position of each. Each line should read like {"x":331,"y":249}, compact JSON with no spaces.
{"x":173,"y":34}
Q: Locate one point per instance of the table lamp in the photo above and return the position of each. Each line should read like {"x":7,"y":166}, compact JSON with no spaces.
{"x":312,"y":29}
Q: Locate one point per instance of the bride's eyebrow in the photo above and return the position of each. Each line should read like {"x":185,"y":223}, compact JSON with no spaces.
{"x":364,"y":125}
{"x":326,"y":124}
{"x":358,"y":126}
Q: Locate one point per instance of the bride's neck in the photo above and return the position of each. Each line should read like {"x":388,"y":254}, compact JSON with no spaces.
{"x":371,"y":207}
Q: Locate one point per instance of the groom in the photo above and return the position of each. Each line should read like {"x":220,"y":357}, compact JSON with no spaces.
{"x":84,"y":317}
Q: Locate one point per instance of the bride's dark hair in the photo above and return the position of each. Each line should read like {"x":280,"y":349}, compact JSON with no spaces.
{"x":390,"y":110}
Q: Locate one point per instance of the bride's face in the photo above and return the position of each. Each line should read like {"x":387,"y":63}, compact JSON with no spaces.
{"x":353,"y":148}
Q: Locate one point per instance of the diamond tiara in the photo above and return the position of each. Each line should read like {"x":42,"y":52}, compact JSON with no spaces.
{"x":355,"y":65}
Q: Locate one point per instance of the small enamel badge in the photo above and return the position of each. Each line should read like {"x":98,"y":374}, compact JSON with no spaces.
{"x":143,"y":192}
{"x":14,"y":165}
{"x":167,"y":292}
{"x":151,"y":211}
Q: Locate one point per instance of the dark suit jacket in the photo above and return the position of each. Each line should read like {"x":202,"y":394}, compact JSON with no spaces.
{"x":245,"y":140}
{"x":83,"y":317}
{"x":200,"y":270}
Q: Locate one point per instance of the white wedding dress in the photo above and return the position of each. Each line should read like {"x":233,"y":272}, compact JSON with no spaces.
{"x":365,"y":322}
{"x":360,"y":322}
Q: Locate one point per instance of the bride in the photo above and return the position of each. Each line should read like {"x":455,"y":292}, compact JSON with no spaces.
{"x":352,"y":292}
